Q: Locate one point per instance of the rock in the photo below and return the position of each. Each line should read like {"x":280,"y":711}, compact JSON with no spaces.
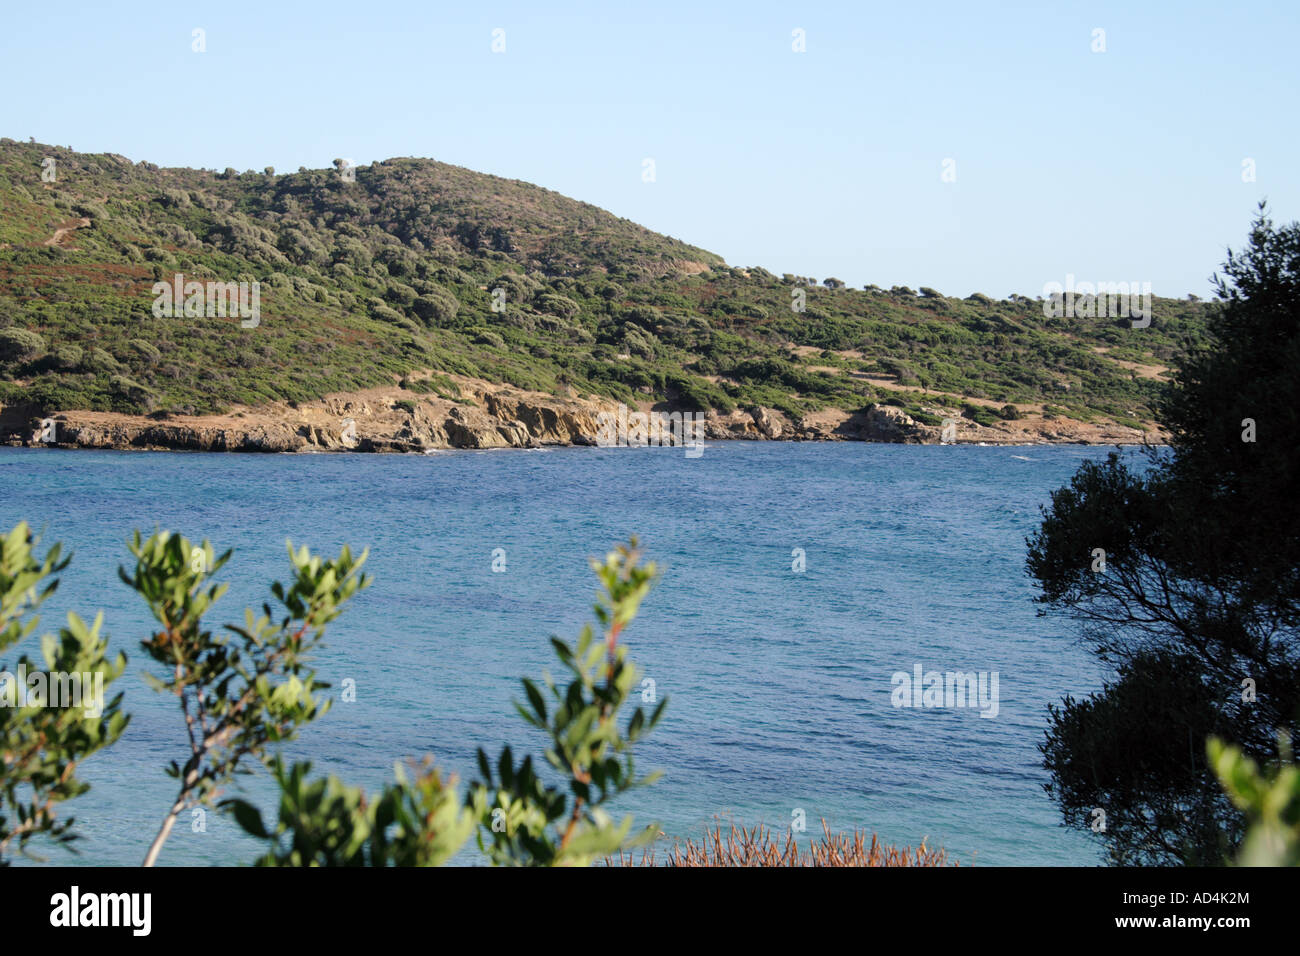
{"x":767,"y":423}
{"x":883,"y":423}
{"x":394,"y":420}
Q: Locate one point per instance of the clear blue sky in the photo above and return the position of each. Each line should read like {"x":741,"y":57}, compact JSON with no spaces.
{"x":1116,"y":166}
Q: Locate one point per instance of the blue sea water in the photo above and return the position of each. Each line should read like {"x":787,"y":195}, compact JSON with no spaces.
{"x":779,"y":681}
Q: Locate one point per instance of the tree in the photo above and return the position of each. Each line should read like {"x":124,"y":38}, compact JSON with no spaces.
{"x":43,"y":739}
{"x":237,"y":696}
{"x":1184,"y":575}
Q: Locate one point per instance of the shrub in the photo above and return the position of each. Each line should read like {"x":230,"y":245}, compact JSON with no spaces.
{"x":146,"y":351}
{"x":97,"y":360}
{"x":68,"y":356}
{"x":237,"y":695}
{"x":519,"y":819}
{"x":20,"y":345}
{"x":757,"y":846}
{"x":44,"y":746}
{"x":558,"y":305}
{"x":437,"y":308}
{"x":1270,"y":800}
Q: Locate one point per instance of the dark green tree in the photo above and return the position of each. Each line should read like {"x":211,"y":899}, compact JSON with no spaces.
{"x":1184,"y":576}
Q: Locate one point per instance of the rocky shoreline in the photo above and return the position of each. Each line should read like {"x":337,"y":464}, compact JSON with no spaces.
{"x":485,"y":415}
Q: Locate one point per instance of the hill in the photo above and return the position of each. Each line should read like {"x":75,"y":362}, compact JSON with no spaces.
{"x":418,"y":274}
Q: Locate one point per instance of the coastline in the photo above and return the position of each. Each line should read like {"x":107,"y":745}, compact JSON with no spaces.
{"x":485,"y":415}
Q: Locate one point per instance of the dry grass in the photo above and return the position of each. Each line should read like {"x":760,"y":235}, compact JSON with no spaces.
{"x":757,"y":846}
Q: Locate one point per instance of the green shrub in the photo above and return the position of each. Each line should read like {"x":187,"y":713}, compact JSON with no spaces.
{"x":519,"y":818}
{"x":68,"y":356}
{"x":1269,"y":799}
{"x":436,"y":309}
{"x":20,"y":345}
{"x":43,"y":746}
{"x":238,"y":695}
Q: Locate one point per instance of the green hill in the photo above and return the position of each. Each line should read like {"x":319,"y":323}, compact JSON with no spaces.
{"x":364,"y":281}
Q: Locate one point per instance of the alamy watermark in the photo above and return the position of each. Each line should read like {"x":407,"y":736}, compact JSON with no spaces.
{"x":1102,"y":300}
{"x":625,"y":429}
{"x":129,"y":910}
{"x":58,"y":689}
{"x":937,"y":689}
{"x":195,"y":300}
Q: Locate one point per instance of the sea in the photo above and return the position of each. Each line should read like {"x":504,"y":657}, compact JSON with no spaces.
{"x":799,"y":584}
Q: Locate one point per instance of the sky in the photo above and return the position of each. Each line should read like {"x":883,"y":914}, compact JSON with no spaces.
{"x":969,"y":147}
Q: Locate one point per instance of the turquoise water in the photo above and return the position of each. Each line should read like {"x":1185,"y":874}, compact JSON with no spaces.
{"x":780,"y":682}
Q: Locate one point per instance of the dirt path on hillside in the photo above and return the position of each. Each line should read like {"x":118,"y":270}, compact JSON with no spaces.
{"x":66,"y":229}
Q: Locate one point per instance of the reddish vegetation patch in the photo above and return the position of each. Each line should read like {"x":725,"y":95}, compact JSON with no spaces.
{"x":758,"y":847}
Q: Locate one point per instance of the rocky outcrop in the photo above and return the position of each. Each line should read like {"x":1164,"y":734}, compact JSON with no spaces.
{"x":71,"y":430}
{"x":884,"y":423}
{"x":485,"y":415}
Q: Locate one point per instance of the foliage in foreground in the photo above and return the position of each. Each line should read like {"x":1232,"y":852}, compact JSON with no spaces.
{"x":237,"y":695}
{"x":519,"y":819}
{"x":758,"y":846}
{"x":41,"y":745}
{"x":525,"y":820}
{"x":1270,"y":800}
{"x":419,"y":819}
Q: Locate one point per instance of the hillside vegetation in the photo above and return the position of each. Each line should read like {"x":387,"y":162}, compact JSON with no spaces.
{"x":365,"y":281}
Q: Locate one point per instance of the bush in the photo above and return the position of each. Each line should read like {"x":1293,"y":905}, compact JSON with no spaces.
{"x":68,"y":356}
{"x":437,"y":308}
{"x":758,"y":846}
{"x":1269,"y":799}
{"x":20,"y":345}
{"x":97,"y":360}
{"x":148,"y":352}
{"x":44,"y":746}
{"x":558,"y":305}
{"x":520,"y":819}
{"x":245,"y":693}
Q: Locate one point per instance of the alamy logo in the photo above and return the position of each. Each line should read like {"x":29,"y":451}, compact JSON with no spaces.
{"x":1104,"y":300}
{"x":133,"y":910}
{"x":934,"y":689}
{"x":624,"y":429}
{"x":53,"y":689}
{"x":196,"y":300}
